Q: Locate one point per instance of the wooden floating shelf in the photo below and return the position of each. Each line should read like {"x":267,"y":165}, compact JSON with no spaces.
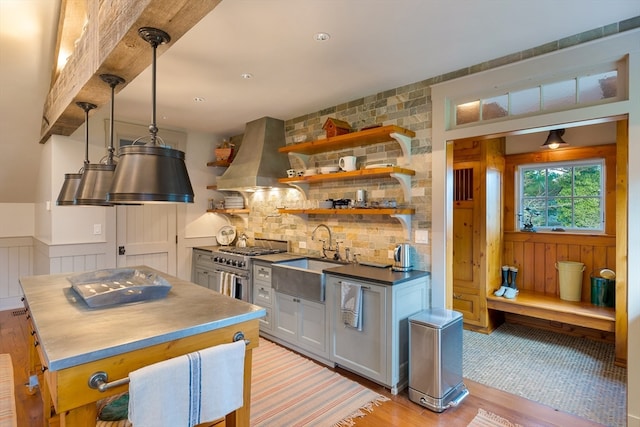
{"x":220,"y":163}
{"x":535,"y":304}
{"x":350,"y":140}
{"x":356,"y":211}
{"x":229,"y":211}
{"x":361,"y":173}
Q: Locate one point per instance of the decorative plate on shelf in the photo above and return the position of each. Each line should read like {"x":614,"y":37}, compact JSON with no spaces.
{"x":226,"y":235}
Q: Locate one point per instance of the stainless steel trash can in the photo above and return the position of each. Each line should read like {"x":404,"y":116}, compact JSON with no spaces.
{"x":435,"y":359}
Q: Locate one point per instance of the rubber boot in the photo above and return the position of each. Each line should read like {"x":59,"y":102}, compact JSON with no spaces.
{"x":513,"y":272}
{"x":505,"y":282}
{"x":512,"y":291}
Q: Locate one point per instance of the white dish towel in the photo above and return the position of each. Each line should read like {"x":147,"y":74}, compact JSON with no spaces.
{"x":351,"y":304}
{"x":188,"y":390}
{"x":227,"y":284}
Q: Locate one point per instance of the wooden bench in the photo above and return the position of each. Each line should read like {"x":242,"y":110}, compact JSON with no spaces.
{"x":534,"y":304}
{"x":8,"y":415}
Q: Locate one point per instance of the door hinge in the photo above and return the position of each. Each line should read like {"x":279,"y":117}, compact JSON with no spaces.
{"x":121,"y":250}
{"x":176,"y":239}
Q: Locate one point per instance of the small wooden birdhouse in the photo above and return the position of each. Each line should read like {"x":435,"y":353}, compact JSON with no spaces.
{"x":335,"y":127}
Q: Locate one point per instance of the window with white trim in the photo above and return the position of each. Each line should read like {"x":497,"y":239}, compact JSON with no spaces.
{"x":593,"y":87}
{"x":565,"y":196}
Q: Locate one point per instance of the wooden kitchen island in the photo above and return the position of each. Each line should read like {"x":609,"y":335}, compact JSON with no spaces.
{"x":72,"y":341}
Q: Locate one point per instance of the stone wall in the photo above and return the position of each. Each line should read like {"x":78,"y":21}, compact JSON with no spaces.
{"x":372,"y":237}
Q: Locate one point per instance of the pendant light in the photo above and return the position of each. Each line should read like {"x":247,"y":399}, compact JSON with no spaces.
{"x":151,"y":173}
{"x":71,"y":182}
{"x":97,"y":177}
{"x":554,"y":140}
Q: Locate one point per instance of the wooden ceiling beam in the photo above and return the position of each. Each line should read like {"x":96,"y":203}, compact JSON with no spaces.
{"x":110,"y":44}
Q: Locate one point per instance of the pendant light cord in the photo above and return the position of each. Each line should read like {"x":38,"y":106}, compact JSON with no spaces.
{"x":86,"y":106}
{"x":154,"y":37}
{"x":112,"y":81}
{"x":152,"y":127}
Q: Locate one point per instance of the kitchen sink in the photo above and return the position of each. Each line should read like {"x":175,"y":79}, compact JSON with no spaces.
{"x":302,"y":278}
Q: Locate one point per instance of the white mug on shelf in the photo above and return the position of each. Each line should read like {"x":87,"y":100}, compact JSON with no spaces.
{"x":347,"y":163}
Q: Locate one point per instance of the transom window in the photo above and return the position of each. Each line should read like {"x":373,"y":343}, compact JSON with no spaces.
{"x":565,"y":196}
{"x":580,"y":90}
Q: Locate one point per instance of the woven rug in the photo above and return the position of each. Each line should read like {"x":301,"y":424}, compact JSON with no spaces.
{"x":571,"y":374}
{"x":289,"y":390}
{"x":489,"y":419}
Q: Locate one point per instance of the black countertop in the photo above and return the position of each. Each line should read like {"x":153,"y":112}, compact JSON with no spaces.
{"x":383,"y":276}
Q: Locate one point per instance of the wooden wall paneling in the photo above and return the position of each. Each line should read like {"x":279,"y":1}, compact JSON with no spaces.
{"x":539,"y":252}
{"x":622,"y":230}
{"x":574,"y":253}
{"x":525,"y":252}
{"x":550,"y":273}
{"x":587,"y":258}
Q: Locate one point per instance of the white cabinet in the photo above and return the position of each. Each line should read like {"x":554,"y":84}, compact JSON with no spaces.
{"x":301,"y":323}
{"x":380,"y":351}
{"x":263,"y":293}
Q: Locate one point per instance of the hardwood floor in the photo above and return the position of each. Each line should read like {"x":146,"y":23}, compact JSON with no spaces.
{"x":399,"y":411}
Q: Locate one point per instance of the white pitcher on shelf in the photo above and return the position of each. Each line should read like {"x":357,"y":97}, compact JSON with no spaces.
{"x":347,"y":163}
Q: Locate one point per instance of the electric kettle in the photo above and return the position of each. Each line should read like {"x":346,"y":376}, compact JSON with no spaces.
{"x":402,"y":258}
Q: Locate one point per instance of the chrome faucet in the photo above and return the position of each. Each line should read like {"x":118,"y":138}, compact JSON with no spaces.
{"x":313,"y":237}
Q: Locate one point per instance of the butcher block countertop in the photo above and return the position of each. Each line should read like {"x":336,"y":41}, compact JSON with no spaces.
{"x":72,"y":333}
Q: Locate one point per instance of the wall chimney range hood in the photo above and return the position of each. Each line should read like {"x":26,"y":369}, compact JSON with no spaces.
{"x":258,"y":163}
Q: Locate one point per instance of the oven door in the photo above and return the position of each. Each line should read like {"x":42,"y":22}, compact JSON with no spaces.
{"x":242,"y":285}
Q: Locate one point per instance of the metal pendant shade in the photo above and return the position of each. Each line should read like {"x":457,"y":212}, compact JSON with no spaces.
{"x":69,"y":188}
{"x":72,"y":181}
{"x":151,"y":173}
{"x":554,"y":140}
{"x":97,"y":177}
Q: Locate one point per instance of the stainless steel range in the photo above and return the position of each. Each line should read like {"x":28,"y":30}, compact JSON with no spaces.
{"x":211,"y":264}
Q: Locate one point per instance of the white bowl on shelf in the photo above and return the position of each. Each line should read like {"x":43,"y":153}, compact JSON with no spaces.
{"x":310,"y":172}
{"x":329,"y":169}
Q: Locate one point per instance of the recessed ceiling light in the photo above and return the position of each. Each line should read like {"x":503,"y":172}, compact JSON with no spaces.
{"x":246,"y":75}
{"x":321,"y":37}
{"x":199,"y":99}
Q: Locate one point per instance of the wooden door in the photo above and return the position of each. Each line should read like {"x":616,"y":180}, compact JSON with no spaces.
{"x":146,"y":235}
{"x":467,"y":225}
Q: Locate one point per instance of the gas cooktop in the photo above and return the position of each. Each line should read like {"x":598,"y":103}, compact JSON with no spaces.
{"x":250,"y":250}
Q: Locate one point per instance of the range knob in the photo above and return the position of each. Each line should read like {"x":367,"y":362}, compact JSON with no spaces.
{"x":241,"y":263}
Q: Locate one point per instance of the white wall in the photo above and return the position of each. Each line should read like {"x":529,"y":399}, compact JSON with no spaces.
{"x":17,"y":219}
{"x":200,"y":150}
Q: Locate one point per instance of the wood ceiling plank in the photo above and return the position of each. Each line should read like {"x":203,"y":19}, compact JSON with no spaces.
{"x":110,"y":44}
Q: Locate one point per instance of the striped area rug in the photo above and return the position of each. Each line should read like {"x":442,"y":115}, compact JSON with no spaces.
{"x":289,"y":390}
{"x":8,"y":416}
{"x":489,"y":419}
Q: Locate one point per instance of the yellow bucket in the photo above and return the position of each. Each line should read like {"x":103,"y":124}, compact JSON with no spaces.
{"x":570,"y":276}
